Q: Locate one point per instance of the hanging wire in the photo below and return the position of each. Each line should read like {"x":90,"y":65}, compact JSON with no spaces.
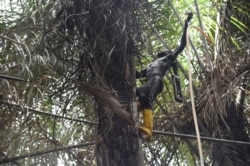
{"x":210,"y":139}
{"x":47,"y":113}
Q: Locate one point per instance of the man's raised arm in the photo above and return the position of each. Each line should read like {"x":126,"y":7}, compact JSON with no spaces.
{"x":181,"y":47}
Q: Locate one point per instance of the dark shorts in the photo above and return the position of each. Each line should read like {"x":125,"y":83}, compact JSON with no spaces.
{"x":147,"y":93}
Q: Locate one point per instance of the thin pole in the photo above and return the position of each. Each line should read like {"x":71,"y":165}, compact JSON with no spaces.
{"x":192,"y":102}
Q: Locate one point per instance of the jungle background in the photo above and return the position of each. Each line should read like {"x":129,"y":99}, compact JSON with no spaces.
{"x":67,"y":82}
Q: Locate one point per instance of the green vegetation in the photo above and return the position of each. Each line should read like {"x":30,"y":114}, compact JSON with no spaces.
{"x":50,"y":49}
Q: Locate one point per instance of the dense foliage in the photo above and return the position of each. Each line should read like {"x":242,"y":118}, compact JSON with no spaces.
{"x":48,"y":49}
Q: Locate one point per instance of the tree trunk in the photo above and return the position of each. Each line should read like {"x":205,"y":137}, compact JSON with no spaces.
{"x":117,"y":142}
{"x":111,"y":30}
{"x":107,"y":30}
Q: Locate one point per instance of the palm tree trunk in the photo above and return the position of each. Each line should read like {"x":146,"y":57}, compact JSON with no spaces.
{"x":110,"y":31}
{"x":118,"y":142}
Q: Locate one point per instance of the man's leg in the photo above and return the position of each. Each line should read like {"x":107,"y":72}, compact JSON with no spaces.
{"x":145,"y":103}
{"x":146,"y":128}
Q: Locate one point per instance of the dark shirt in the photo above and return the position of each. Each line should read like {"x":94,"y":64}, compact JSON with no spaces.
{"x":156,"y":70}
{"x":159,"y":67}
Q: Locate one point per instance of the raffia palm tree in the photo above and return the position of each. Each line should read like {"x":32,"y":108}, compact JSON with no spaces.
{"x":226,"y":115}
{"x":88,"y":46}
{"x":78,"y":58}
{"x":105,"y":33}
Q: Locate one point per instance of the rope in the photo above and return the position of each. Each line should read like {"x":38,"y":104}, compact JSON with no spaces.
{"x":192,"y":101}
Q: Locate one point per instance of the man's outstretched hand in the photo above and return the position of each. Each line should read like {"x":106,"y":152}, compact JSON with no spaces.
{"x":190,"y":16}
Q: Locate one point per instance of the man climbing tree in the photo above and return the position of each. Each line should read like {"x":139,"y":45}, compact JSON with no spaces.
{"x":154,"y":74}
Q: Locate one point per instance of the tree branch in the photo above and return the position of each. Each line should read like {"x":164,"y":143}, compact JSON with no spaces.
{"x":11,"y":77}
{"x":13,"y":41}
{"x":109,"y":99}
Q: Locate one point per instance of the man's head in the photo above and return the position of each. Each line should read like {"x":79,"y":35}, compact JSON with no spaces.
{"x":164,"y":53}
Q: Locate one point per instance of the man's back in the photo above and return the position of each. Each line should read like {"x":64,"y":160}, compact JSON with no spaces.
{"x":159,"y":67}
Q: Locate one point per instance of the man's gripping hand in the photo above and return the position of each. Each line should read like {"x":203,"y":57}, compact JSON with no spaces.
{"x":190,"y":16}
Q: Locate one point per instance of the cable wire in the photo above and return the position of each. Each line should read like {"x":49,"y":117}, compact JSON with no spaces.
{"x":210,"y":139}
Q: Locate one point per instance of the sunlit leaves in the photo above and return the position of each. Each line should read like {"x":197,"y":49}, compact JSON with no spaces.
{"x":33,"y":48}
